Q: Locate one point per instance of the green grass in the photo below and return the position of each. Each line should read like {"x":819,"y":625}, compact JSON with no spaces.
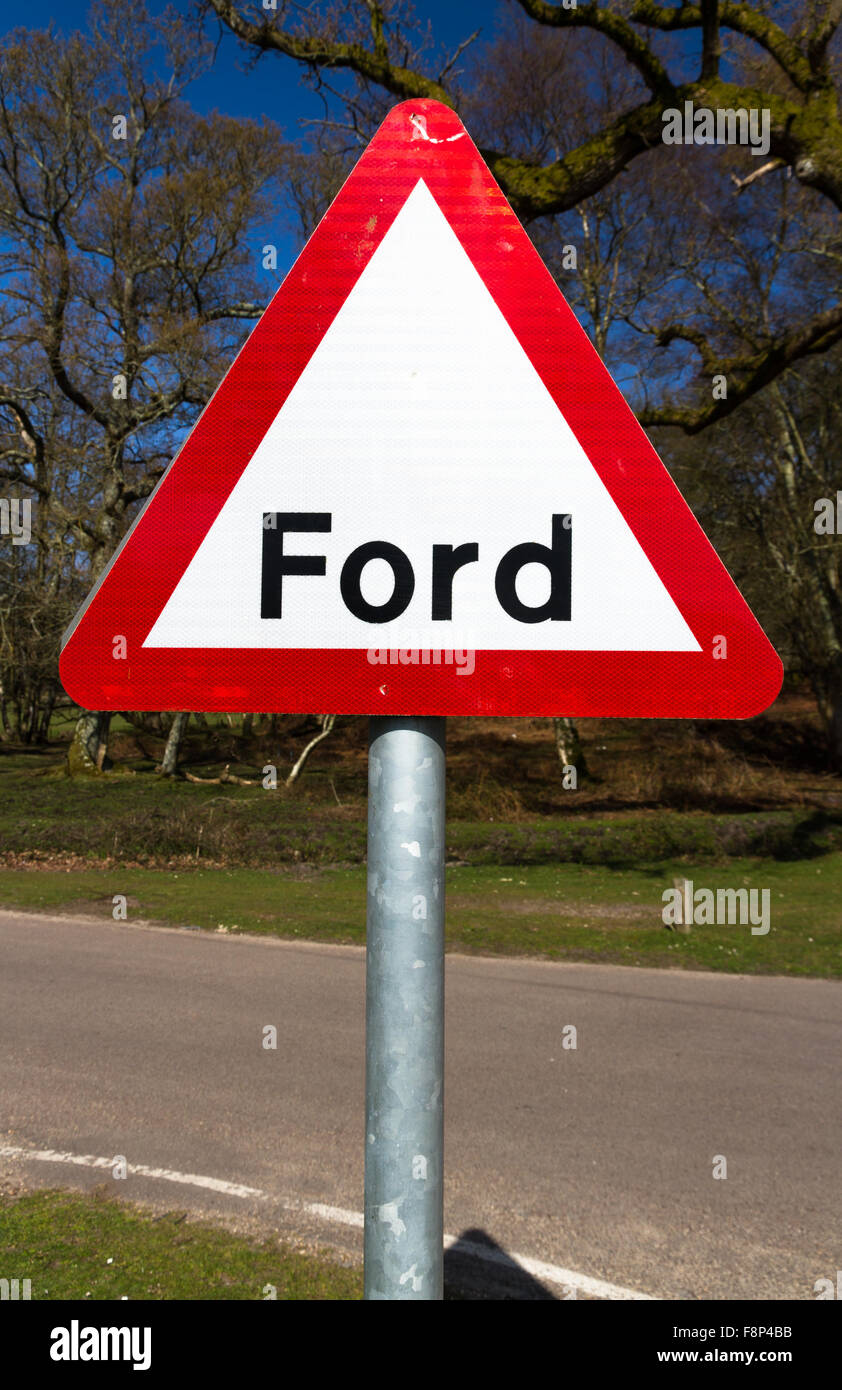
{"x":594,"y":913}
{"x":323,"y":821}
{"x":560,"y":912}
{"x":81,"y":1246}
{"x":585,"y":885}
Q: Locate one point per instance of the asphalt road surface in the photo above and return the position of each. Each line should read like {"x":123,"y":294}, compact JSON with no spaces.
{"x":119,"y":1039}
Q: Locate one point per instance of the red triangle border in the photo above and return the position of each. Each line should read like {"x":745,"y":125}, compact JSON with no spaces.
{"x":418,"y":140}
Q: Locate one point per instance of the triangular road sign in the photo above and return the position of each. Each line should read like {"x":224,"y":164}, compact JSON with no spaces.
{"x":418,"y":491}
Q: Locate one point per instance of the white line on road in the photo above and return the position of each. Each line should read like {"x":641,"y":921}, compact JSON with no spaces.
{"x":551,"y":1274}
{"x":231,"y":1189}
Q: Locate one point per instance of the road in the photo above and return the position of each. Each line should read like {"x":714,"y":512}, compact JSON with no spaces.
{"x":147,"y":1042}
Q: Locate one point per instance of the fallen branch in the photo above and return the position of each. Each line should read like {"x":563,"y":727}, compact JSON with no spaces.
{"x":225,"y":776}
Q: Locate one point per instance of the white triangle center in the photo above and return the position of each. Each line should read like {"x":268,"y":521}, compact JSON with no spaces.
{"x":420,"y":421}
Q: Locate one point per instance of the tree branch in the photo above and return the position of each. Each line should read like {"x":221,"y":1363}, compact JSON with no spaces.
{"x":536,"y":190}
{"x":244,"y":310}
{"x":711,"y":49}
{"x":373,"y":65}
{"x":457,"y":54}
{"x":745,"y":375}
{"x":31,"y":438}
{"x":766,"y":168}
{"x":741,"y":19}
{"x":821,"y":36}
{"x":613,"y":26}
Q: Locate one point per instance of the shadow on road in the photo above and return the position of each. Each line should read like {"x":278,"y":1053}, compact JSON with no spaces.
{"x":476,"y":1267}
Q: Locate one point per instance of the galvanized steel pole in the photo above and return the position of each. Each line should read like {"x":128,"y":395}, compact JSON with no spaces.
{"x":405,"y":1009}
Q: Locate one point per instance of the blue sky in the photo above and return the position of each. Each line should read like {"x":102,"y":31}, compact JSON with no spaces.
{"x":274,"y":87}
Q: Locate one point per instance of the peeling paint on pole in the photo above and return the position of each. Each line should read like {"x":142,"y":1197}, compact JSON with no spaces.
{"x":405,"y":1009}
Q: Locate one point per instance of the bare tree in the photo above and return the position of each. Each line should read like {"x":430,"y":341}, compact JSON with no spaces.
{"x":169,"y":762}
{"x":327,"y":722}
{"x":795,"y":78}
{"x":763,"y":488}
{"x":125,"y":218}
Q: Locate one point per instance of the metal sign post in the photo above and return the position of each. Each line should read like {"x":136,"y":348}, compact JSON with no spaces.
{"x":404,"y":1137}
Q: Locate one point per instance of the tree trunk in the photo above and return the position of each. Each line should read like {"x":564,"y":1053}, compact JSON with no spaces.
{"x":835,"y":730}
{"x":32,"y":718}
{"x":327,"y":721}
{"x":103,"y":761}
{"x":87,"y":755}
{"x":169,"y":762}
{"x":46,"y":717}
{"x":569,"y":747}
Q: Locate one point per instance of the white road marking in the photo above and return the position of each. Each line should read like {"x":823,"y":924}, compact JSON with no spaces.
{"x":337,"y":1214}
{"x":550,"y":1274}
{"x":231,"y":1189}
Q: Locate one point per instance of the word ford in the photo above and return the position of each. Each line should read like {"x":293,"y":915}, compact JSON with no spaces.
{"x":446,"y":561}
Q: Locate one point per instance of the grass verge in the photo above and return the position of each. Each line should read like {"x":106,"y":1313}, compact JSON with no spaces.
{"x":140,"y":819}
{"x":73,"y":1245}
{"x":560,"y":912}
